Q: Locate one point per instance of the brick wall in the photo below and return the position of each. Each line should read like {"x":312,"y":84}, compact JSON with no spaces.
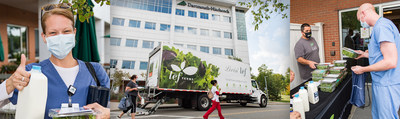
{"x":15,"y":16}
{"x":326,"y":11}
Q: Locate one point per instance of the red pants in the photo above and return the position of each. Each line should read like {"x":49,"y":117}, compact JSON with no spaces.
{"x":214,"y":105}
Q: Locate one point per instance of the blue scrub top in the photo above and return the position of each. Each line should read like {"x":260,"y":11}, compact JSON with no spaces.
{"x":57,"y":89}
{"x":384,"y":30}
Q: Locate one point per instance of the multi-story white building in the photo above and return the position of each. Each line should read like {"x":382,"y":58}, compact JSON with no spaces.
{"x":137,"y":26}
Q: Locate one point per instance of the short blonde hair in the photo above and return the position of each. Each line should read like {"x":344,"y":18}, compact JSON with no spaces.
{"x":56,"y":11}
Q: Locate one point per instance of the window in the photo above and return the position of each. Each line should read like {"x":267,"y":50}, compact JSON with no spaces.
{"x":162,"y":6}
{"x":36,"y":42}
{"x":179,"y":29}
{"x":228,"y":52}
{"x":215,"y":17}
{"x":254,"y":84}
{"x":17,"y":40}
{"x":165,"y":27}
{"x":180,"y":12}
{"x":134,"y":23}
{"x":192,"y":30}
{"x":118,"y":21}
{"x":150,"y":25}
{"x":227,"y":19}
{"x":115,"y":41}
{"x":192,"y":14}
{"x":128,"y":64}
{"x":347,"y":24}
{"x":131,"y":43}
{"x":148,"y":44}
{"x":178,"y":44}
{"x":203,"y":15}
{"x":241,"y":26}
{"x":113,"y":63}
{"x":194,"y":47}
{"x":216,"y":50}
{"x":228,"y":35}
{"x":143,"y":66}
{"x":216,"y":34}
{"x":204,"y":32}
{"x":204,"y":49}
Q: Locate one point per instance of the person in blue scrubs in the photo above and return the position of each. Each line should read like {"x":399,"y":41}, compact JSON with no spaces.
{"x":384,"y":49}
{"x":61,"y":69}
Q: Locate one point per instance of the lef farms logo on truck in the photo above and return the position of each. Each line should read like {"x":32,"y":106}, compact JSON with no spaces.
{"x":185,"y":71}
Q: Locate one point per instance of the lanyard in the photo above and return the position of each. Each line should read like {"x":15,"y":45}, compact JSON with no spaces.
{"x":71,"y":91}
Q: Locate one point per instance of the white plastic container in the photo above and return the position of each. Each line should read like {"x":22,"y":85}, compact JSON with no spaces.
{"x":313,"y":96}
{"x":298,"y":106}
{"x":304,"y":96}
{"x":32,"y":99}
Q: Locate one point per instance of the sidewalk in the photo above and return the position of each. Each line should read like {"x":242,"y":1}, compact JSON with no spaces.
{"x":114,"y":105}
{"x":358,"y":113}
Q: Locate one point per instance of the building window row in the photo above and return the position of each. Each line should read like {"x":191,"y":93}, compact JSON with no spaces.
{"x":162,"y":6}
{"x":214,"y":17}
{"x":166,"y":27}
{"x":206,"y":49}
{"x":131,"y":43}
{"x":128,"y":64}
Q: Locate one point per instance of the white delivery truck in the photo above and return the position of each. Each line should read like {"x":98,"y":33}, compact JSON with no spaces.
{"x":185,"y":74}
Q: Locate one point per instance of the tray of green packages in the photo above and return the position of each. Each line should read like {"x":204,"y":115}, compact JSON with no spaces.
{"x":319,"y":73}
{"x":323,"y":65}
{"x":349,"y":52}
{"x":340,"y":63}
{"x":328,"y":85}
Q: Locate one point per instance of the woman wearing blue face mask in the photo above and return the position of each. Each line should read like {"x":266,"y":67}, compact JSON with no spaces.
{"x":61,"y":69}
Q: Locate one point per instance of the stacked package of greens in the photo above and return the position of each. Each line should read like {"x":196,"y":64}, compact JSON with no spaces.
{"x":318,"y":74}
{"x":324,"y":66}
{"x":328,"y":85}
{"x":336,"y":70}
{"x":340,"y":63}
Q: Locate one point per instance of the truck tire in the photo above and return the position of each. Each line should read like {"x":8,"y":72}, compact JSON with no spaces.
{"x":243,"y":104}
{"x":263,"y":101}
{"x":203,"y":102}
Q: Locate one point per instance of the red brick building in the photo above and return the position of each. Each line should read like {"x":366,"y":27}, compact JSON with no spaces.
{"x":329,"y":12}
{"x":23,"y":21}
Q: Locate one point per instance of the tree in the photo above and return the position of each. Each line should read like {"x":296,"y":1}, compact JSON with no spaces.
{"x":83,"y":9}
{"x":261,"y":11}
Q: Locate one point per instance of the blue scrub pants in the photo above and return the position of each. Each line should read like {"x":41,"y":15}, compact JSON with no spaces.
{"x":385,"y":101}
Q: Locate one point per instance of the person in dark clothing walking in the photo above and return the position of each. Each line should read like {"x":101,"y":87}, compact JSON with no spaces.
{"x":132,"y":92}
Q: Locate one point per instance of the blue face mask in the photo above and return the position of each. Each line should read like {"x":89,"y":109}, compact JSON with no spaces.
{"x":60,"y":45}
{"x":364,"y":24}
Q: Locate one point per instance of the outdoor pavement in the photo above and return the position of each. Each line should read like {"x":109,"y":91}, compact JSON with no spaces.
{"x":359,"y":113}
{"x":274,"y":110}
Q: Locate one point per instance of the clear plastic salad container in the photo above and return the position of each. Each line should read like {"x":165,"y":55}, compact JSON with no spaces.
{"x":336,"y":70}
{"x":323,"y":65}
{"x":328,"y":85}
{"x":319,"y":73}
{"x":340,"y":63}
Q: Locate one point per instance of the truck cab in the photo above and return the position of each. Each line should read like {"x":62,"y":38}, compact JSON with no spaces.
{"x":258,"y":94}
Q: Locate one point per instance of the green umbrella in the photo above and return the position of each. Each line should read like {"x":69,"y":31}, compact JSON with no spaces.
{"x":86,"y":41}
{"x":1,"y":50}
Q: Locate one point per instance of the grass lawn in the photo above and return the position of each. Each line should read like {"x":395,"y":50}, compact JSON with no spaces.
{"x":285,"y":98}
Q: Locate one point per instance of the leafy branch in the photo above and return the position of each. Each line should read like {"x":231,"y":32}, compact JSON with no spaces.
{"x":261,"y":11}
{"x":83,"y":9}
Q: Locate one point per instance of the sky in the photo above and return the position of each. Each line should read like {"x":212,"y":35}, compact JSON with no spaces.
{"x":270,"y":43}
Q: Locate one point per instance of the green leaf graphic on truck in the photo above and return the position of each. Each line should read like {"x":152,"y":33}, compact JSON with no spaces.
{"x":185,"y":71}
